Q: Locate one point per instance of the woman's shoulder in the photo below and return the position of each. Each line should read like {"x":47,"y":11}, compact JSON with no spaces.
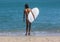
{"x":29,"y":8}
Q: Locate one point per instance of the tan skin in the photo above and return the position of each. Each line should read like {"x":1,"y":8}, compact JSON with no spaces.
{"x":28,"y":24}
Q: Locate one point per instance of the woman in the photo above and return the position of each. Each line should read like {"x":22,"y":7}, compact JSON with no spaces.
{"x":28,"y":24}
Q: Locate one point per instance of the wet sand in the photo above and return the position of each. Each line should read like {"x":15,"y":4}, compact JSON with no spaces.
{"x":30,"y":39}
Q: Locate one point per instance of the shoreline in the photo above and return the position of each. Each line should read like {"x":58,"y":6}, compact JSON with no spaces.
{"x":32,"y":34}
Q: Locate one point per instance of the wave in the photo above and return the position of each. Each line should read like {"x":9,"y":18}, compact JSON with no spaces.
{"x":35,"y":33}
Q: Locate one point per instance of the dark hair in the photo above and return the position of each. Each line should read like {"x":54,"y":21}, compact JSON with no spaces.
{"x":26,"y":6}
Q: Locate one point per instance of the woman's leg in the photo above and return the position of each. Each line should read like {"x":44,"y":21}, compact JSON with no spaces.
{"x":26,"y":27}
{"x":29,"y":28}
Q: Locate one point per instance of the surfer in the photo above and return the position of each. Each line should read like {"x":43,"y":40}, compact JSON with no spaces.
{"x":28,"y":24}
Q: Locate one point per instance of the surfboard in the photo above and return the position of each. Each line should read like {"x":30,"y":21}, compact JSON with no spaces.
{"x":35,"y":12}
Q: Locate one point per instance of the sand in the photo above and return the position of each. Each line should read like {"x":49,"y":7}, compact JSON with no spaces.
{"x":30,"y":39}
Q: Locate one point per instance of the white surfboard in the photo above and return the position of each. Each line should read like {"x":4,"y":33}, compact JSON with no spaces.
{"x":35,"y":12}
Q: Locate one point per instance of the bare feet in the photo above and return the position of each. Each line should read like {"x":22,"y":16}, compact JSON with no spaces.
{"x":27,"y":34}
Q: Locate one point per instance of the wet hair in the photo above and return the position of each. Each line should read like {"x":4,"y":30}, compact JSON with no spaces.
{"x":26,"y":6}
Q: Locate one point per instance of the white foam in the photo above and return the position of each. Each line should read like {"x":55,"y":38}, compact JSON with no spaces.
{"x":34,"y":33}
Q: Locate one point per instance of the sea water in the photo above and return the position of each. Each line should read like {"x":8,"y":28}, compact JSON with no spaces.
{"x":47,"y":22}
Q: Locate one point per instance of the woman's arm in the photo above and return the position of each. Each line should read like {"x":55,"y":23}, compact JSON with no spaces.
{"x":33,"y":15}
{"x":24,"y":16}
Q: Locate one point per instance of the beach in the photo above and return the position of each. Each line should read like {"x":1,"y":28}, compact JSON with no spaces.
{"x":29,"y":38}
{"x":46,"y":28}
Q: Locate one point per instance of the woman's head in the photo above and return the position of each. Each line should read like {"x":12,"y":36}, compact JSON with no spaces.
{"x":26,"y":6}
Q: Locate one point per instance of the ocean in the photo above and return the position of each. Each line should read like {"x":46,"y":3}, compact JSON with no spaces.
{"x":47,"y":23}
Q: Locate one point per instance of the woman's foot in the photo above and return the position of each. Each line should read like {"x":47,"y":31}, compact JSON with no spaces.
{"x":29,"y":34}
{"x":26,"y":34}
